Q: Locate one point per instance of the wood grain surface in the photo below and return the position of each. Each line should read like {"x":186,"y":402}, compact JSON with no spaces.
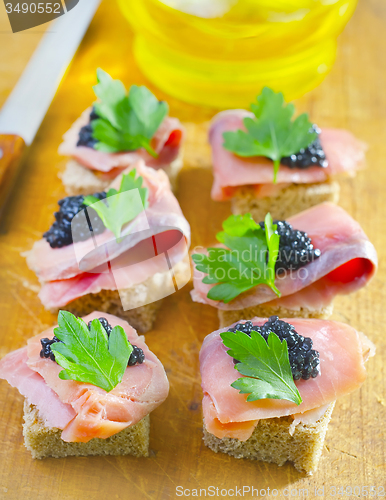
{"x":12,"y":148}
{"x":354,"y":97}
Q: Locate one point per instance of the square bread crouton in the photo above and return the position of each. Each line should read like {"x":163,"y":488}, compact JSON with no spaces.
{"x":78,"y":179}
{"x":265,"y":311}
{"x":289,"y":201}
{"x":274,"y":440}
{"x":127,"y":303}
{"x":43,"y":441}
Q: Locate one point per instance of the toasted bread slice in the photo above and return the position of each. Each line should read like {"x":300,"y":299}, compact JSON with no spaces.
{"x":43,"y":441}
{"x":275,"y":440}
{"x":78,"y":179}
{"x":264,"y":311}
{"x":289,"y":201}
{"x":128,"y":303}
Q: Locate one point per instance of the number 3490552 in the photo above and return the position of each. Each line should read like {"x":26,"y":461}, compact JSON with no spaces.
{"x":32,"y":8}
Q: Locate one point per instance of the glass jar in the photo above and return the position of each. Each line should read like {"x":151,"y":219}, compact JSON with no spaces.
{"x":221,"y":53}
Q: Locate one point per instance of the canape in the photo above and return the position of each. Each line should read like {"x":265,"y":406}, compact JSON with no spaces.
{"x":118,"y":130}
{"x":100,"y":403}
{"x":127,"y":272}
{"x":264,"y":162}
{"x":293,"y":370}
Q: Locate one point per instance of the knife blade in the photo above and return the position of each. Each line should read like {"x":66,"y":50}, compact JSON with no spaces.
{"x":25,"y":108}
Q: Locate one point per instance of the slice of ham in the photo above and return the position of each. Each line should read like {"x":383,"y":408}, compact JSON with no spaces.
{"x":56,"y":294}
{"x":227,"y":413}
{"x":82,"y":410}
{"x":345,"y":154}
{"x":166,"y":143}
{"x":84,"y":267}
{"x":61,"y":263}
{"x":347,"y":263}
{"x":31,"y":385}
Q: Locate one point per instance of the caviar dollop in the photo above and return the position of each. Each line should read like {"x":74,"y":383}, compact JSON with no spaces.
{"x":137,"y":355}
{"x":311,"y":156}
{"x":85,"y":134}
{"x":295,"y":248}
{"x":46,"y":351}
{"x":304,"y":360}
{"x":63,"y":230}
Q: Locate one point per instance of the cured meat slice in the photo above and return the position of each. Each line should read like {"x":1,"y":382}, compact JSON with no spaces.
{"x":348,"y":261}
{"x":101,"y":263}
{"x":166,"y":143}
{"x":164,"y":211}
{"x":14,"y":369}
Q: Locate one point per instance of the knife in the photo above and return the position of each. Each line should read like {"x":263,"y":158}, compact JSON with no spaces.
{"x":25,"y":108}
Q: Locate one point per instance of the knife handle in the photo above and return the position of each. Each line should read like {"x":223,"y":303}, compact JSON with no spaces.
{"x":12,"y":148}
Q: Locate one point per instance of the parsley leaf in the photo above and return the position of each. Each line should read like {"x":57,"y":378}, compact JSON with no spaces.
{"x":265,"y":365}
{"x":249,"y":260}
{"x":90,"y":356}
{"x":127,"y":121}
{"x":272,"y":133}
{"x":121,"y":206}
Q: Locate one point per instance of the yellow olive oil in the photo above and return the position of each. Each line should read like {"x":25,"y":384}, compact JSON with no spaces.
{"x":221,"y":53}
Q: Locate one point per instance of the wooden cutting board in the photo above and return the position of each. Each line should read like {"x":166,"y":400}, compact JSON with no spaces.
{"x":354,"y":97}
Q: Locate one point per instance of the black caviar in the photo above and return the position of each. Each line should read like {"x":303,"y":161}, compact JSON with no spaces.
{"x":46,"y":351}
{"x":106,"y":325}
{"x":137,"y":355}
{"x":295,"y":248}
{"x":311,"y":156}
{"x":304,"y":360}
{"x":85,"y":133}
{"x":63,"y":231}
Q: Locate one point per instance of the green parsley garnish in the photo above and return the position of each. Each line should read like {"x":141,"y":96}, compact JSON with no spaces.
{"x":272,"y":133}
{"x":90,"y":356}
{"x":249,"y":260}
{"x":265,"y":365}
{"x":127,"y":121}
{"x":121,"y":206}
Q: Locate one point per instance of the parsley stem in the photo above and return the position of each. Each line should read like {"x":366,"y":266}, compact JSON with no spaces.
{"x":275,"y":289}
{"x":149,"y":149}
{"x":276,"y":166}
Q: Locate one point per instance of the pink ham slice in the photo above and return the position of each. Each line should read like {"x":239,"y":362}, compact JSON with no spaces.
{"x":348,"y":261}
{"x":166,"y":143}
{"x":82,"y":410}
{"x":14,"y":369}
{"x":344,"y":153}
{"x":63,"y":277}
{"x":227,"y":413}
{"x":56,"y":294}
{"x":61,"y":263}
